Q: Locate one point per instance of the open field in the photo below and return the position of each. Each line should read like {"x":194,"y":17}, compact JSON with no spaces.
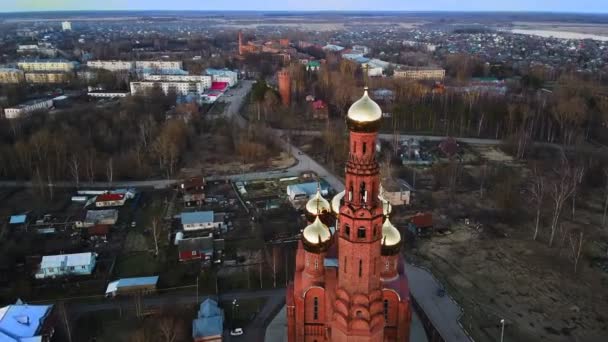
{"x":495,"y":271}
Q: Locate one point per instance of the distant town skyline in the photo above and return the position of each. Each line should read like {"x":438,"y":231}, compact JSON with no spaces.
{"x":581,"y":6}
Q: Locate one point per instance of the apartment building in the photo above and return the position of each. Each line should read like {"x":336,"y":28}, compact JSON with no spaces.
{"x":159,"y":65}
{"x":112,"y":65}
{"x":428,"y":73}
{"x":205,"y":79}
{"x":27,"y":108}
{"x":181,"y":88}
{"x":10,"y":75}
{"x":46,"y":65}
{"x":48,"y":77}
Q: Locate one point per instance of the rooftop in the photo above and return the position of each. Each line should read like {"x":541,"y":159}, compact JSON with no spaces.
{"x":20,"y":322}
{"x":67,"y":260}
{"x":127,"y":282}
{"x":197,"y":217}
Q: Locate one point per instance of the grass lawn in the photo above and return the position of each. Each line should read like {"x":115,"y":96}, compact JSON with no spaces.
{"x":137,"y":264}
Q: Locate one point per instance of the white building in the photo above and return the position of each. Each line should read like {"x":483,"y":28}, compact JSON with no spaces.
{"x":27,"y":108}
{"x":66,"y":26}
{"x":362,"y":49}
{"x":108,"y":94}
{"x":159,"y":65}
{"x":112,"y":65}
{"x":46,"y":65}
{"x":332,"y":47}
{"x":201,"y":220}
{"x":53,"y":266}
{"x":181,"y":88}
{"x":223,"y":75}
{"x":205,"y":79}
{"x":376,"y":67}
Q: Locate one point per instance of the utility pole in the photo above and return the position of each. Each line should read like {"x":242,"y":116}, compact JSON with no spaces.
{"x":197,"y":288}
{"x":274,"y":268}
{"x":502,"y":330}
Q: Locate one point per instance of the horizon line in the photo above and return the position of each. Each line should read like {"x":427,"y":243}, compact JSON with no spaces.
{"x":302,"y":11}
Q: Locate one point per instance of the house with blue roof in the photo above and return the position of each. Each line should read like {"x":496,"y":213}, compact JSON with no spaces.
{"x":209,"y":323}
{"x":26,"y":323}
{"x":201,"y":220}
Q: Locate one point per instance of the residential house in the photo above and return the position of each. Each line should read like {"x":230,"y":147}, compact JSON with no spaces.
{"x":202,"y":220}
{"x":17,"y":219}
{"x":421,"y":224}
{"x":130,"y":286}
{"x":203,"y":248}
{"x":396,"y":191}
{"x":208,"y":326}
{"x":110,"y":200}
{"x":99,"y":232}
{"x":303,"y":191}
{"x":61,"y":265}
{"x":27,"y":323}
{"x":93,"y":217}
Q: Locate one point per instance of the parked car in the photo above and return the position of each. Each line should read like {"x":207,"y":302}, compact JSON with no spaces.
{"x":236,"y":332}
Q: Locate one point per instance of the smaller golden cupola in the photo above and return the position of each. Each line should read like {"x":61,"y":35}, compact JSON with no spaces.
{"x":391,"y":238}
{"x":316,"y":237}
{"x":318,"y":205}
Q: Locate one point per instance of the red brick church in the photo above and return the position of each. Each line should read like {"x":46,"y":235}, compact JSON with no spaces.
{"x":349,"y":282}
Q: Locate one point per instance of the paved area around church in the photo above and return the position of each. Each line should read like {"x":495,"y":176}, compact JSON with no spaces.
{"x":277,"y":329}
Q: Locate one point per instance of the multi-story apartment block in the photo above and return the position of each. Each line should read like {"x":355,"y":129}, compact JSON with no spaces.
{"x":27,"y":108}
{"x":181,"y":88}
{"x":10,"y":75}
{"x":112,"y":65}
{"x":223,"y":75}
{"x":47,"y":77}
{"x":159,"y":65}
{"x":428,"y":73}
{"x":205,"y":79}
{"x":46,"y":65}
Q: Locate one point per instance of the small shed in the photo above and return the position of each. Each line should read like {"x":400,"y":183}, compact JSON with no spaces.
{"x":130,"y":286}
{"x":18,"y":219}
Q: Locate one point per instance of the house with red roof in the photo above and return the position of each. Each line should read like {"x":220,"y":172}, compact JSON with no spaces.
{"x":110,"y":200}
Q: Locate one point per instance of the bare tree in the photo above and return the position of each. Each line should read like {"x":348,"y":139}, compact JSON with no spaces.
{"x":561,"y":189}
{"x":110,"y":170}
{"x":606,"y":199}
{"x":537,"y":190}
{"x":170,"y":328}
{"x":577,"y":241}
{"x":75,"y":169}
{"x":155,"y":232}
{"x":577,"y":179}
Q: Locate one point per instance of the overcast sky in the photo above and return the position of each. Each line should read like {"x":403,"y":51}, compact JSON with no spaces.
{"x":589,"y":6}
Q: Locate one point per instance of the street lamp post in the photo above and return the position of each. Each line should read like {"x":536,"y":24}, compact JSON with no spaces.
{"x":234,"y":305}
{"x":502,"y":329}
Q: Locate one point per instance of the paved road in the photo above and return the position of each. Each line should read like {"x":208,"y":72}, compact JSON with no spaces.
{"x":443,"y":312}
{"x":171,"y":299}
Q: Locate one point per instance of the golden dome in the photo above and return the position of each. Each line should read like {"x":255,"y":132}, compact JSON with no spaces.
{"x":390,"y":234}
{"x":335,"y":202}
{"x":364,"y":110}
{"x":316,"y":232}
{"x":317,"y":204}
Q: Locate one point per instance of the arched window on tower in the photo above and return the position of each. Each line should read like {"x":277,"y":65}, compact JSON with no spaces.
{"x":363,"y":193}
{"x":315,"y":308}
{"x":364,"y":148}
{"x":350,"y":192}
{"x":354,"y":147}
{"x":361,"y":233}
{"x":347,"y":231}
{"x":316,"y":264}
{"x":360,"y":268}
{"x":386,"y":310}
